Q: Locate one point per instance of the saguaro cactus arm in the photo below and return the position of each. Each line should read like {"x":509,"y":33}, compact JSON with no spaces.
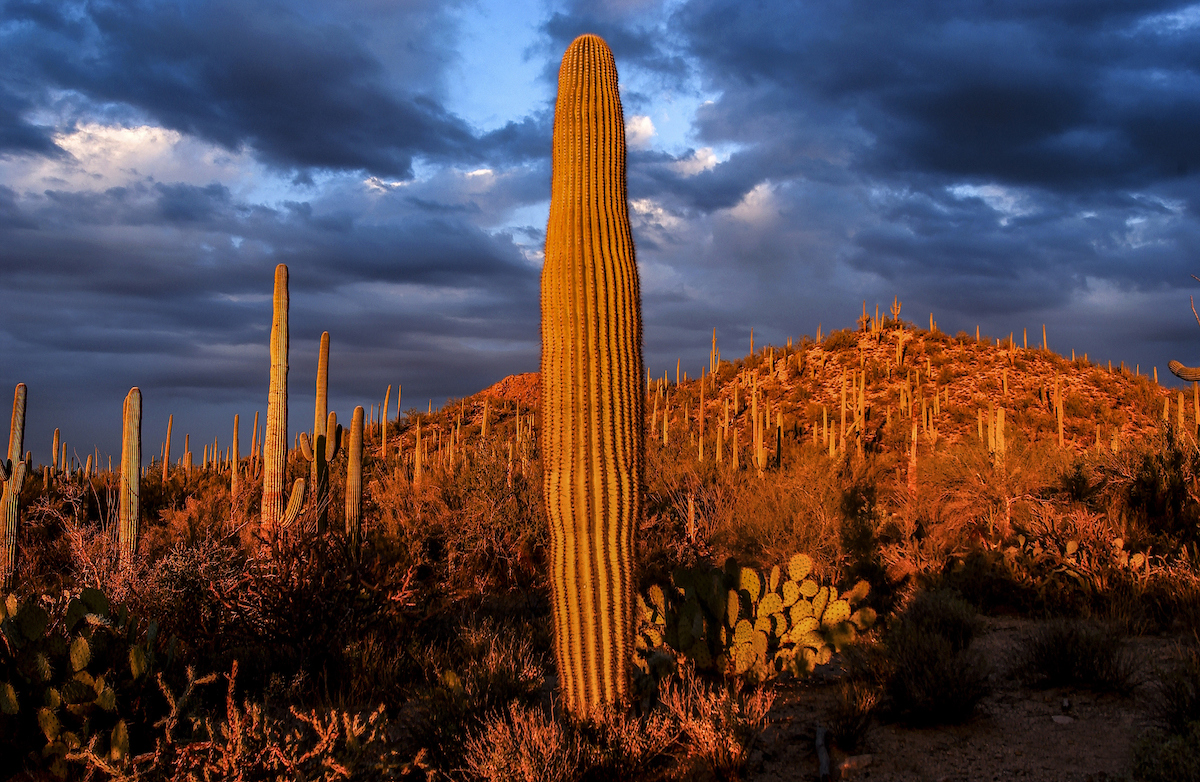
{"x":592,"y":406}
{"x":1182,"y":372}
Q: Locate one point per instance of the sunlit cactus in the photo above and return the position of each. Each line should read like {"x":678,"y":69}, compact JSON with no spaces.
{"x":130,"y":506}
{"x":235,"y":471}
{"x":12,"y":474}
{"x":321,"y":453}
{"x":1191,"y":374}
{"x":275,"y":515}
{"x":592,"y":406}
{"x":354,"y":452}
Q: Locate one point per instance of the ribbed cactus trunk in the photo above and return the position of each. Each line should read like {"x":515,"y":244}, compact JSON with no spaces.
{"x":354,"y":481}
{"x":130,"y":506}
{"x":235,"y":471}
{"x":592,"y":434}
{"x":166,"y":465}
{"x":275,"y":514}
{"x":12,"y":472}
{"x":321,"y":405}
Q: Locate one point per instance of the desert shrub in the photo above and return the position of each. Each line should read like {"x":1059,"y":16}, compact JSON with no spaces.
{"x":1177,"y":693}
{"x":850,"y":717}
{"x":945,"y":614}
{"x":718,"y":725}
{"x":1164,"y":757}
{"x":529,"y":745}
{"x":252,"y":740}
{"x":1066,"y":653}
{"x":843,"y":339}
{"x":933,"y":676}
{"x":481,"y":669}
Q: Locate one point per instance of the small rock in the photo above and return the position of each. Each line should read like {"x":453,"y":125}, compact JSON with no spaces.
{"x":1062,"y":719}
{"x":854,"y":763}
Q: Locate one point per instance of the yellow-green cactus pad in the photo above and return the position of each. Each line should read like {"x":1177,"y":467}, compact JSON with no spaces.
{"x":799,"y":611}
{"x":749,"y":582}
{"x":835,"y":612}
{"x":770,"y":604}
{"x":858,"y":592}
{"x":743,"y":633}
{"x":820,"y":600}
{"x":760,"y":642}
{"x":791,"y":593}
{"x":863,"y":618}
{"x":808,"y":588}
{"x":799,"y":567}
{"x":773,"y":581}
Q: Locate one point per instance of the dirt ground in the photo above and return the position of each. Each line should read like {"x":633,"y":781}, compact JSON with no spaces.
{"x":1017,"y":732}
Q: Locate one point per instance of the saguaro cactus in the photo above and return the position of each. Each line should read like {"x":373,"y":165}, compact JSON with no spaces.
{"x":321,"y":452}
{"x":131,"y":478}
{"x":592,"y":438}
{"x":235,"y":472}
{"x":354,"y":454}
{"x":275,"y":515}
{"x":12,"y":474}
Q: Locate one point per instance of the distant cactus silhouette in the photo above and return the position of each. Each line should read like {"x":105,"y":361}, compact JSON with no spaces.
{"x":592,"y":406}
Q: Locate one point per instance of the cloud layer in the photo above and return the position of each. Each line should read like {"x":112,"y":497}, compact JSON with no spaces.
{"x":1002,"y":165}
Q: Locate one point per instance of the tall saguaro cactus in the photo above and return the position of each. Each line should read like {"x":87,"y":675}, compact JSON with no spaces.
{"x":354,"y":453}
{"x":275,"y":515}
{"x":592,"y":407}
{"x":130,"y":507}
{"x":12,"y":474}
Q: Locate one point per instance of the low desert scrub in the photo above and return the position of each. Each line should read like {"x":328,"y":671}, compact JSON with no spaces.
{"x":1177,"y":692}
{"x":932,"y":675}
{"x":1072,"y":653}
{"x":1167,"y":757}
{"x":696,"y":731}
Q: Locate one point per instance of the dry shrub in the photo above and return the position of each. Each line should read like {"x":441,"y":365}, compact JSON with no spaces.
{"x":1078,"y":654}
{"x":718,"y":724}
{"x":933,"y":676}
{"x":698,"y":730}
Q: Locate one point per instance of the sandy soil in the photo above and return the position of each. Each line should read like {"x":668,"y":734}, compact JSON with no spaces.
{"x":1017,"y":732}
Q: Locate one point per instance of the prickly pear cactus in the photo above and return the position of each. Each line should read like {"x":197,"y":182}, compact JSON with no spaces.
{"x":74,"y":673}
{"x":738,"y":621}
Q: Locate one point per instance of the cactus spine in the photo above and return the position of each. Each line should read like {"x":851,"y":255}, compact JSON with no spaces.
{"x":12,"y":474}
{"x":354,"y":480}
{"x":593,"y":438}
{"x":131,"y":463}
{"x":275,"y":515}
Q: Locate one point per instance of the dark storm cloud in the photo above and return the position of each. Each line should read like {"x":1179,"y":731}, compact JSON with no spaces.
{"x":1066,"y":96}
{"x":300,"y":90}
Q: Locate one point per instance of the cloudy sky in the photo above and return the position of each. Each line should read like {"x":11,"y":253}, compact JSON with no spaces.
{"x":998,"y":164}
